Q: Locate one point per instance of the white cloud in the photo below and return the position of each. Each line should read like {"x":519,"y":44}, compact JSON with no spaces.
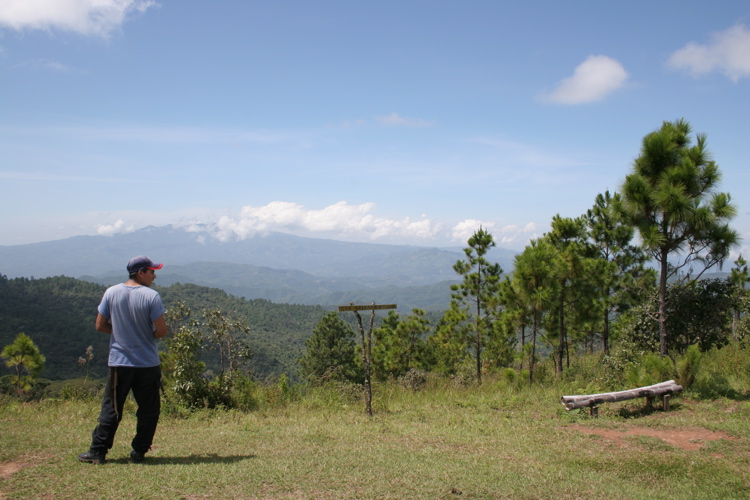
{"x":509,"y":235}
{"x":340,"y":219}
{"x":118,"y":227}
{"x":462,"y":231}
{"x":593,"y":80}
{"x":728,"y":52}
{"x":394,"y":119}
{"x":87,"y":17}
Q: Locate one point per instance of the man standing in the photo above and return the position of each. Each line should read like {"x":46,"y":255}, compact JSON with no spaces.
{"x":133,"y":314}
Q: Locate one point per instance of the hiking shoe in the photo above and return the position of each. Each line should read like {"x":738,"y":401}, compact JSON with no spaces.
{"x":137,"y":457}
{"x":93,"y":457}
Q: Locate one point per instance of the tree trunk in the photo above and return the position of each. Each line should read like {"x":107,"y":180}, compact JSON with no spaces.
{"x":561,"y":328}
{"x":533,"y":347}
{"x":366,"y":358}
{"x":479,"y":340}
{"x":605,"y":332}
{"x":663,"y":305}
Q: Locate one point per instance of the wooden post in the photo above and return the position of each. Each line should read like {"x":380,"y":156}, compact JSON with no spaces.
{"x":366,"y":344}
{"x":665,"y":405}
{"x":594,"y":411}
{"x":366,"y":358}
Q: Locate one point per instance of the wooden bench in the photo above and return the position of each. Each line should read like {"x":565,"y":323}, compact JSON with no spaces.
{"x":663,"y":389}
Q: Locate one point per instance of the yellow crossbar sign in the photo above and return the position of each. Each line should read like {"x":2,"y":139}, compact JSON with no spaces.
{"x":371,"y":307}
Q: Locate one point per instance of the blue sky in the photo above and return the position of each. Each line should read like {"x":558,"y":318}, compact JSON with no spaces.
{"x":392,"y":121}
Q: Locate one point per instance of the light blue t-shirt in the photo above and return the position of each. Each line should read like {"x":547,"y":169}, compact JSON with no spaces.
{"x":132,"y":311}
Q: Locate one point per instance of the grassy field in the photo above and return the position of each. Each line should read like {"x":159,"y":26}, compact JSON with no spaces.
{"x":440,"y":443}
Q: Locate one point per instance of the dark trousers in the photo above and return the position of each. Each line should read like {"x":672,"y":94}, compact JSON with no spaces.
{"x":145,"y":384}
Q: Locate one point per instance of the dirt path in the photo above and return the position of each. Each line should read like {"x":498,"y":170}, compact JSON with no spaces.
{"x":686,"y":439}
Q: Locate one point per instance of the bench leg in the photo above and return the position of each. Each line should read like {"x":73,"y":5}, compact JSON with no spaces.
{"x":665,"y":404}
{"x":594,"y":411}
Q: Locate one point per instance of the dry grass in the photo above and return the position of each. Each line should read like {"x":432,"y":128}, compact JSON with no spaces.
{"x":440,"y":443}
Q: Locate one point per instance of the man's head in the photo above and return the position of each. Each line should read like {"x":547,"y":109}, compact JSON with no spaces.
{"x":141,"y":263}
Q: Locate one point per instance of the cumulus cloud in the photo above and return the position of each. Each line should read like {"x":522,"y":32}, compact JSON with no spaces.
{"x":509,"y":235}
{"x":593,"y":80}
{"x":394,"y":119}
{"x":87,"y":17}
{"x":462,"y":231}
{"x":728,"y":52}
{"x":340,"y":219}
{"x":118,"y":227}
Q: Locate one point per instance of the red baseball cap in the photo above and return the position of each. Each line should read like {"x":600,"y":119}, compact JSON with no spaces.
{"x":142,"y":262}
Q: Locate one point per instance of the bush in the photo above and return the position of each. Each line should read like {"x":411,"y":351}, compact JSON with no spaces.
{"x":724,"y":372}
{"x":688,"y":366}
{"x":651,"y":370}
{"x":415,"y":380}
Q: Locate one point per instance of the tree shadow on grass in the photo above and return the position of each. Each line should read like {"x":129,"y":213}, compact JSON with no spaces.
{"x":210,"y":458}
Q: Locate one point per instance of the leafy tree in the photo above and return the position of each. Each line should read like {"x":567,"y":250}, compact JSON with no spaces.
{"x":698,"y":313}
{"x":480,"y":285}
{"x":181,"y":361}
{"x":189,"y":341}
{"x":228,"y":336}
{"x":24,"y":357}
{"x":623,"y":263}
{"x":331,"y":352}
{"x":670,"y":198}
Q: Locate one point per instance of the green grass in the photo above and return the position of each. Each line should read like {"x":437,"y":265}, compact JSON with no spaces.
{"x":441,"y":443}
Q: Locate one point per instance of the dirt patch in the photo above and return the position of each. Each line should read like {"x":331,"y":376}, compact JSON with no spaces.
{"x":7,"y":469}
{"x":10,"y":468}
{"x":686,"y":439}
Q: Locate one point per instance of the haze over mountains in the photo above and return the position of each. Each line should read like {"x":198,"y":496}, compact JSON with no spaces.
{"x":278,"y":267}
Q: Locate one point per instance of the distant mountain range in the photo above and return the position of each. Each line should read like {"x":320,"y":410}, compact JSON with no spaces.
{"x":278,"y":267}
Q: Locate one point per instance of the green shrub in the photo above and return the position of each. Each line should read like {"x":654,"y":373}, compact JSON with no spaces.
{"x":414,"y":380}
{"x":688,"y":366}
{"x":652,"y":369}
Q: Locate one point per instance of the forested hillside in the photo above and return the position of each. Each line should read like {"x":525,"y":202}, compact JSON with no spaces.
{"x":277,"y":331}
{"x":287,"y":286}
{"x":58,"y":314}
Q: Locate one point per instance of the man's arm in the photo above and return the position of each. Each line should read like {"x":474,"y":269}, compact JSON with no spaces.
{"x":103,"y":325}
{"x":161,"y":327}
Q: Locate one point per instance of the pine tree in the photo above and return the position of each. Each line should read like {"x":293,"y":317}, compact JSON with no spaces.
{"x":330,"y":352}
{"x":610,"y":237}
{"x":536,"y":287}
{"x":23,"y":355}
{"x":670,"y":198}
{"x":480,"y":285}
